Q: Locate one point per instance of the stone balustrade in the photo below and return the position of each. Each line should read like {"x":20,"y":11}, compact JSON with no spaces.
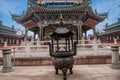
{"x":41,"y":49}
{"x":84,"y":50}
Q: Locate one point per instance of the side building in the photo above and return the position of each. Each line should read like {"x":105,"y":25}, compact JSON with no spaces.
{"x":111,"y":32}
{"x":9,"y":34}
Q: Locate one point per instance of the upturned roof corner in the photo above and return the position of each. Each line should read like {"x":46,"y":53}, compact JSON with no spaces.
{"x":104,"y":15}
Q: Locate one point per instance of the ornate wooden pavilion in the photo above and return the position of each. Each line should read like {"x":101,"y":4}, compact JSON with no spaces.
{"x":42,"y":17}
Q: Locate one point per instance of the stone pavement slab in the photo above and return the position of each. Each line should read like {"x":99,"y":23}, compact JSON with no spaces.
{"x":81,"y":72}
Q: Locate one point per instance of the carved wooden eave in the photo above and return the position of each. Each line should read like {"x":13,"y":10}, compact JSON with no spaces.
{"x":29,"y":24}
{"x":47,"y":10}
{"x":90,"y":22}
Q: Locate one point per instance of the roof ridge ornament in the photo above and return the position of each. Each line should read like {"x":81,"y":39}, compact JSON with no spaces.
{"x":23,"y":12}
{"x":106,"y":25}
{"x":0,"y":22}
{"x":10,"y":13}
{"x":118,"y":19}
{"x":119,"y":5}
{"x":96,"y":12}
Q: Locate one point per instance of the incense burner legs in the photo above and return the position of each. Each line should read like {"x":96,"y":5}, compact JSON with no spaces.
{"x":63,"y":64}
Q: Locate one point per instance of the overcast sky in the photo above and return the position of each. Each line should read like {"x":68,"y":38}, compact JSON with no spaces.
{"x":18,"y":6}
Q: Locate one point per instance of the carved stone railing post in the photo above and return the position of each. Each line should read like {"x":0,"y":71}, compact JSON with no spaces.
{"x":7,"y":63}
{"x":115,"y":56}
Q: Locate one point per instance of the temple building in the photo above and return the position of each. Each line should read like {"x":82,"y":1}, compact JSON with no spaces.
{"x":43,"y":16}
{"x":8,"y":34}
{"x":111,"y":32}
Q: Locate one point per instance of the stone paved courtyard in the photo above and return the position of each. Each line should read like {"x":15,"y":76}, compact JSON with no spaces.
{"x":81,"y":72}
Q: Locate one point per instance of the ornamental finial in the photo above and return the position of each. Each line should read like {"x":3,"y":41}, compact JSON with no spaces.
{"x":61,"y":19}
